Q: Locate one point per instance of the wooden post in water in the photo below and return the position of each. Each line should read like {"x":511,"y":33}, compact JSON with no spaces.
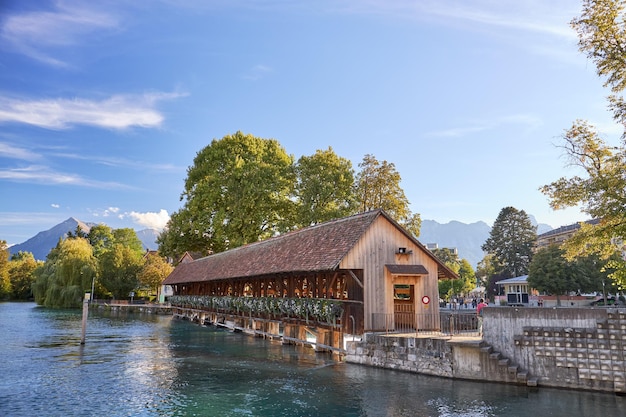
{"x":85,"y":314}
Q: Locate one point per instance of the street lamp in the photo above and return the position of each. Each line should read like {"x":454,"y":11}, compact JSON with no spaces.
{"x":93,"y":282}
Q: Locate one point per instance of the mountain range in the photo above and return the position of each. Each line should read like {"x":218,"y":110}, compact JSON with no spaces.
{"x":466,"y":238}
{"x":41,"y":244}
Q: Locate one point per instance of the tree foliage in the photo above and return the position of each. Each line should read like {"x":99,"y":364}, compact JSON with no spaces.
{"x":100,"y":237}
{"x":67,"y":274}
{"x":5,"y":283}
{"x":601,"y":32}
{"x":511,"y":242}
{"x":467,"y":278}
{"x":551,"y":273}
{"x":324,"y":188}
{"x":237,"y":191}
{"x":378,"y":186}
{"x":154,"y":270}
{"x":119,"y":266}
{"x":21,"y":272}
{"x":600,"y":189}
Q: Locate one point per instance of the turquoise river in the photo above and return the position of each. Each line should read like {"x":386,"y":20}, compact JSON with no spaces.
{"x":146,"y":365}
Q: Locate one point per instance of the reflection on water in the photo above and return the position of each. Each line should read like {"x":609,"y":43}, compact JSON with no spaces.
{"x":146,"y":365}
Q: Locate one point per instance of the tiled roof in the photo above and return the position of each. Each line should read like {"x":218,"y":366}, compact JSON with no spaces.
{"x":316,"y":248}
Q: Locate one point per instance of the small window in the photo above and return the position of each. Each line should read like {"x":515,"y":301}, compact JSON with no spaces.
{"x":402,"y":292}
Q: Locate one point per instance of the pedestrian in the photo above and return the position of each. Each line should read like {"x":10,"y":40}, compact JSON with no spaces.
{"x":479,"y":312}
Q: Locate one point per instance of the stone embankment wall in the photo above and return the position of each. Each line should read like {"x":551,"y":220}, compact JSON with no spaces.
{"x":566,"y":348}
{"x":450,"y":358}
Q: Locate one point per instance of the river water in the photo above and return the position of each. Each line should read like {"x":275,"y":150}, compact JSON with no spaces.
{"x":145,"y":365}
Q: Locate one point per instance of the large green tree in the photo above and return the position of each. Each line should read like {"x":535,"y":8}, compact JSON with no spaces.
{"x":119,"y":269}
{"x":67,"y":274}
{"x":100,"y":237}
{"x":600,"y":187}
{"x":378,"y":186}
{"x":324,"y":188}
{"x":511,"y":242}
{"x":237,"y":191}
{"x":551,"y":273}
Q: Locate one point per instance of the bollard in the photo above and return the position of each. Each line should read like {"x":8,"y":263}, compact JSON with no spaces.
{"x":85,"y":314}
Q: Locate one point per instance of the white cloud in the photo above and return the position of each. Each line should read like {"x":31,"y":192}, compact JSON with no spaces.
{"x":14,"y":152}
{"x":110,"y":211}
{"x":115,"y":112}
{"x":120,"y":162}
{"x":35,"y":33}
{"x":524,"y":120}
{"x":44,"y":175}
{"x":55,"y":205}
{"x":257,"y":72}
{"x":151,"y":220}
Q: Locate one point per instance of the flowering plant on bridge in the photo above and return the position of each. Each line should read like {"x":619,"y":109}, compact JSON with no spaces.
{"x":320,"y":309}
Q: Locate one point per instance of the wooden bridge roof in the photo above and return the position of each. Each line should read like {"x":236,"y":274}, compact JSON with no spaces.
{"x":313,"y":249}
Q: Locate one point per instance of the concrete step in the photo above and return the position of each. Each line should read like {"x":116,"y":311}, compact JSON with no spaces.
{"x":532,"y":382}
{"x":513,"y":369}
{"x":486,"y":349}
{"x":495,"y":355}
{"x":504,"y":362}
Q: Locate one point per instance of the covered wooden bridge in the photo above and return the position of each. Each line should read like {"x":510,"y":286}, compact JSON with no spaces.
{"x":315,"y":285}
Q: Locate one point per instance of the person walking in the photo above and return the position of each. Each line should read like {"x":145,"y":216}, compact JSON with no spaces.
{"x":479,"y":312}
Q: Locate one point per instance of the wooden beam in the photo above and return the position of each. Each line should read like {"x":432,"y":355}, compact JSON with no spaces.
{"x":354,"y":277}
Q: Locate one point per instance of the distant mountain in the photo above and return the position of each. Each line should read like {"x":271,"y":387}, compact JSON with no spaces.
{"x":41,"y":244}
{"x":148,"y":237}
{"x":466,"y":238}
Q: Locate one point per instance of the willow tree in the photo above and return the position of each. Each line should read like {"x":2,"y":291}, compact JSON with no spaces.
{"x":378,"y":186}
{"x":599,"y":187}
{"x":237,"y":191}
{"x":324,"y":188}
{"x":66,"y":275}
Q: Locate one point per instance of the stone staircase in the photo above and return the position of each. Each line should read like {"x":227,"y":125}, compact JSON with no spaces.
{"x":506,"y":371}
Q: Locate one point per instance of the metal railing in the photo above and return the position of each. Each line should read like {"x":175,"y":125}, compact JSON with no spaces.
{"x":442,"y":324}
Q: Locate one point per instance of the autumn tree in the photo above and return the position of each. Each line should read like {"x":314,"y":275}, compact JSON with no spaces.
{"x":154,"y":270}
{"x":237,"y":191}
{"x":600,"y":188}
{"x":511,"y":242}
{"x":21,"y":272}
{"x":324,"y":188}
{"x":378,"y":186}
{"x":5,"y":283}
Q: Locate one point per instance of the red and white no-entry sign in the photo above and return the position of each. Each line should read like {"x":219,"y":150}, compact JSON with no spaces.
{"x":425,"y":299}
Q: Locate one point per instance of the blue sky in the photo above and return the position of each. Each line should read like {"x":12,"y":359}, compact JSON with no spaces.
{"x":103,"y":105}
